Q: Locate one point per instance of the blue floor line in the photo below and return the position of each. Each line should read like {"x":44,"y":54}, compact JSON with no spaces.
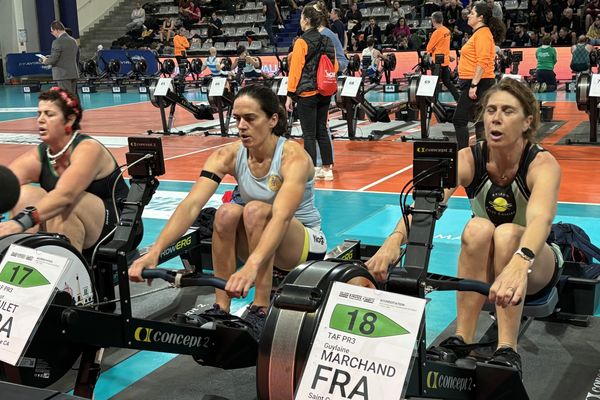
{"x":129,"y":371}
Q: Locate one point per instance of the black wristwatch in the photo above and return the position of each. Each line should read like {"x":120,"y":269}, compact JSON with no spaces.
{"x":526,"y":253}
{"x":474,"y":85}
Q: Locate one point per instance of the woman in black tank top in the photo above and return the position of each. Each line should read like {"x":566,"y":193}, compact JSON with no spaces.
{"x":512,"y":254}
{"x":75,"y":173}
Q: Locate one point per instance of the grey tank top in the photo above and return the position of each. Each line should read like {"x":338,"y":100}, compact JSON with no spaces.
{"x":265,"y":188}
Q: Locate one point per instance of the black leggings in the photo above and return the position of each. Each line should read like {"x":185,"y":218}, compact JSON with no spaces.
{"x":447,"y":81}
{"x":466,"y":109}
{"x":312,"y":112}
{"x":110,"y":221}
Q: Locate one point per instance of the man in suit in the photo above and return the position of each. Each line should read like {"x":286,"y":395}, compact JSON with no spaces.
{"x":63,"y":58}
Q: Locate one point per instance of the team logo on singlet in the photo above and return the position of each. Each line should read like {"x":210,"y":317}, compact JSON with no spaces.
{"x":274,"y":183}
{"x":500,"y":205}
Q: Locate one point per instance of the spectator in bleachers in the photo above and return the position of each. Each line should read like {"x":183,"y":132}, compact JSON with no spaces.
{"x":403,"y":44}
{"x":496,"y":9}
{"x":549,"y":24}
{"x":190,"y":15}
{"x":591,"y":12}
{"x":428,"y":7}
{"x":535,"y":12}
{"x":534,"y":39}
{"x":337,"y":27}
{"x":373,"y":30}
{"x":552,"y":5}
{"x":335,"y":39}
{"x":138,"y":16}
{"x":440,"y":44}
{"x":180,"y":43}
{"x":401,"y":30}
{"x":215,"y":26}
{"x":462,"y":27}
{"x":546,"y":60}
{"x":397,"y":12}
{"x":520,"y":38}
{"x":580,"y":55}
{"x":167,"y":30}
{"x":563,"y":38}
{"x":353,"y":20}
{"x":452,"y":14}
{"x":272,"y":14}
{"x":359,"y":43}
{"x":593,"y":33}
{"x":572,"y":23}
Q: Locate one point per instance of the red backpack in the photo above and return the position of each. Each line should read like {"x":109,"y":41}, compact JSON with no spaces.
{"x":326,"y":73}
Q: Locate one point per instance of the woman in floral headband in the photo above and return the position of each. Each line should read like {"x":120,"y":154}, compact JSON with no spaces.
{"x":76,"y":176}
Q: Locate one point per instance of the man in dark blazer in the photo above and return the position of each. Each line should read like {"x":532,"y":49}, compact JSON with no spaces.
{"x":63,"y":58}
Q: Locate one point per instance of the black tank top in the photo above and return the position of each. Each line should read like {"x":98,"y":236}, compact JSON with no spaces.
{"x":101,"y":187}
{"x":500,"y":203}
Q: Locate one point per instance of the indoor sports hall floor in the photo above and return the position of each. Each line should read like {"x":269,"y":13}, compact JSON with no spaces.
{"x":361,"y":203}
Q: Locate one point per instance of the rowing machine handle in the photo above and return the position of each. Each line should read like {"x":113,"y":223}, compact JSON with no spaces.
{"x":193,"y":280}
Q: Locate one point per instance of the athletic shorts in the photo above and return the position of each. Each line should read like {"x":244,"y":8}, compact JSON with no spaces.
{"x":315,"y":245}
{"x":558,"y":263}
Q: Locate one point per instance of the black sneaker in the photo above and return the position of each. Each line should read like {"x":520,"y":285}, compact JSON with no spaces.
{"x":212,"y":314}
{"x":507,"y":357}
{"x":449,"y":350}
{"x":255,"y":317}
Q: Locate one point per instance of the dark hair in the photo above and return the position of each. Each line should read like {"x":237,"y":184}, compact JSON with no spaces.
{"x":437,"y":17}
{"x":67,"y":102}
{"x":57,"y":26}
{"x":337,"y":12}
{"x":521,"y":92}
{"x":496,"y":26}
{"x":370,"y":41}
{"x":313,"y":16}
{"x":240,"y":49}
{"x":269,"y":104}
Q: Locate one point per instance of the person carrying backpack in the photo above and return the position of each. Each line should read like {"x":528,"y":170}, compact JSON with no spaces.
{"x":303,"y":87}
{"x":580,"y":52}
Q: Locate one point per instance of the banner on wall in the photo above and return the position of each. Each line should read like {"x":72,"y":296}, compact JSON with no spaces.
{"x":26,"y":64}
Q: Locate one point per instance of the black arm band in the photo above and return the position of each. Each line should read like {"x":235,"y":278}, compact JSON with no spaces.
{"x":25,"y":220}
{"x":211,"y":176}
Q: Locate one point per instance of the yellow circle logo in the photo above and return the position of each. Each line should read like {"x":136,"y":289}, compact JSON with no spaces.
{"x":500,"y":204}
{"x":274,"y":183}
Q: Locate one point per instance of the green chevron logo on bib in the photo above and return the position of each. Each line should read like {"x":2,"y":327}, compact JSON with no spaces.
{"x":364,"y":322}
{"x":22,"y":276}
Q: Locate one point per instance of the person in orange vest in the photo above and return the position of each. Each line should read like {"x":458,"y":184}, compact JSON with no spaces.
{"x":180,"y":43}
{"x":476,"y":68}
{"x":440,"y":44}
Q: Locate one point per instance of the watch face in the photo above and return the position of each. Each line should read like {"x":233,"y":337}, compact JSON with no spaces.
{"x":528,"y":252}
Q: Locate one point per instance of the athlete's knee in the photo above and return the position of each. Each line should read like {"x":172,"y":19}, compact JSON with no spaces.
{"x":477,"y":233}
{"x":256,"y":213}
{"x":227,"y":217}
{"x":507,"y":237}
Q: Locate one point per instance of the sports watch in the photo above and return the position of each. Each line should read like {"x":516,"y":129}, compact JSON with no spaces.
{"x":526,"y":254}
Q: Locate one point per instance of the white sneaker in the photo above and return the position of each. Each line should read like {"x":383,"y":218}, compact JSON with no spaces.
{"x":327,"y":175}
{"x":319,"y":173}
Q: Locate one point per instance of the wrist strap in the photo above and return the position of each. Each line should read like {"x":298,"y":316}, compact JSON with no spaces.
{"x":25,"y":220}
